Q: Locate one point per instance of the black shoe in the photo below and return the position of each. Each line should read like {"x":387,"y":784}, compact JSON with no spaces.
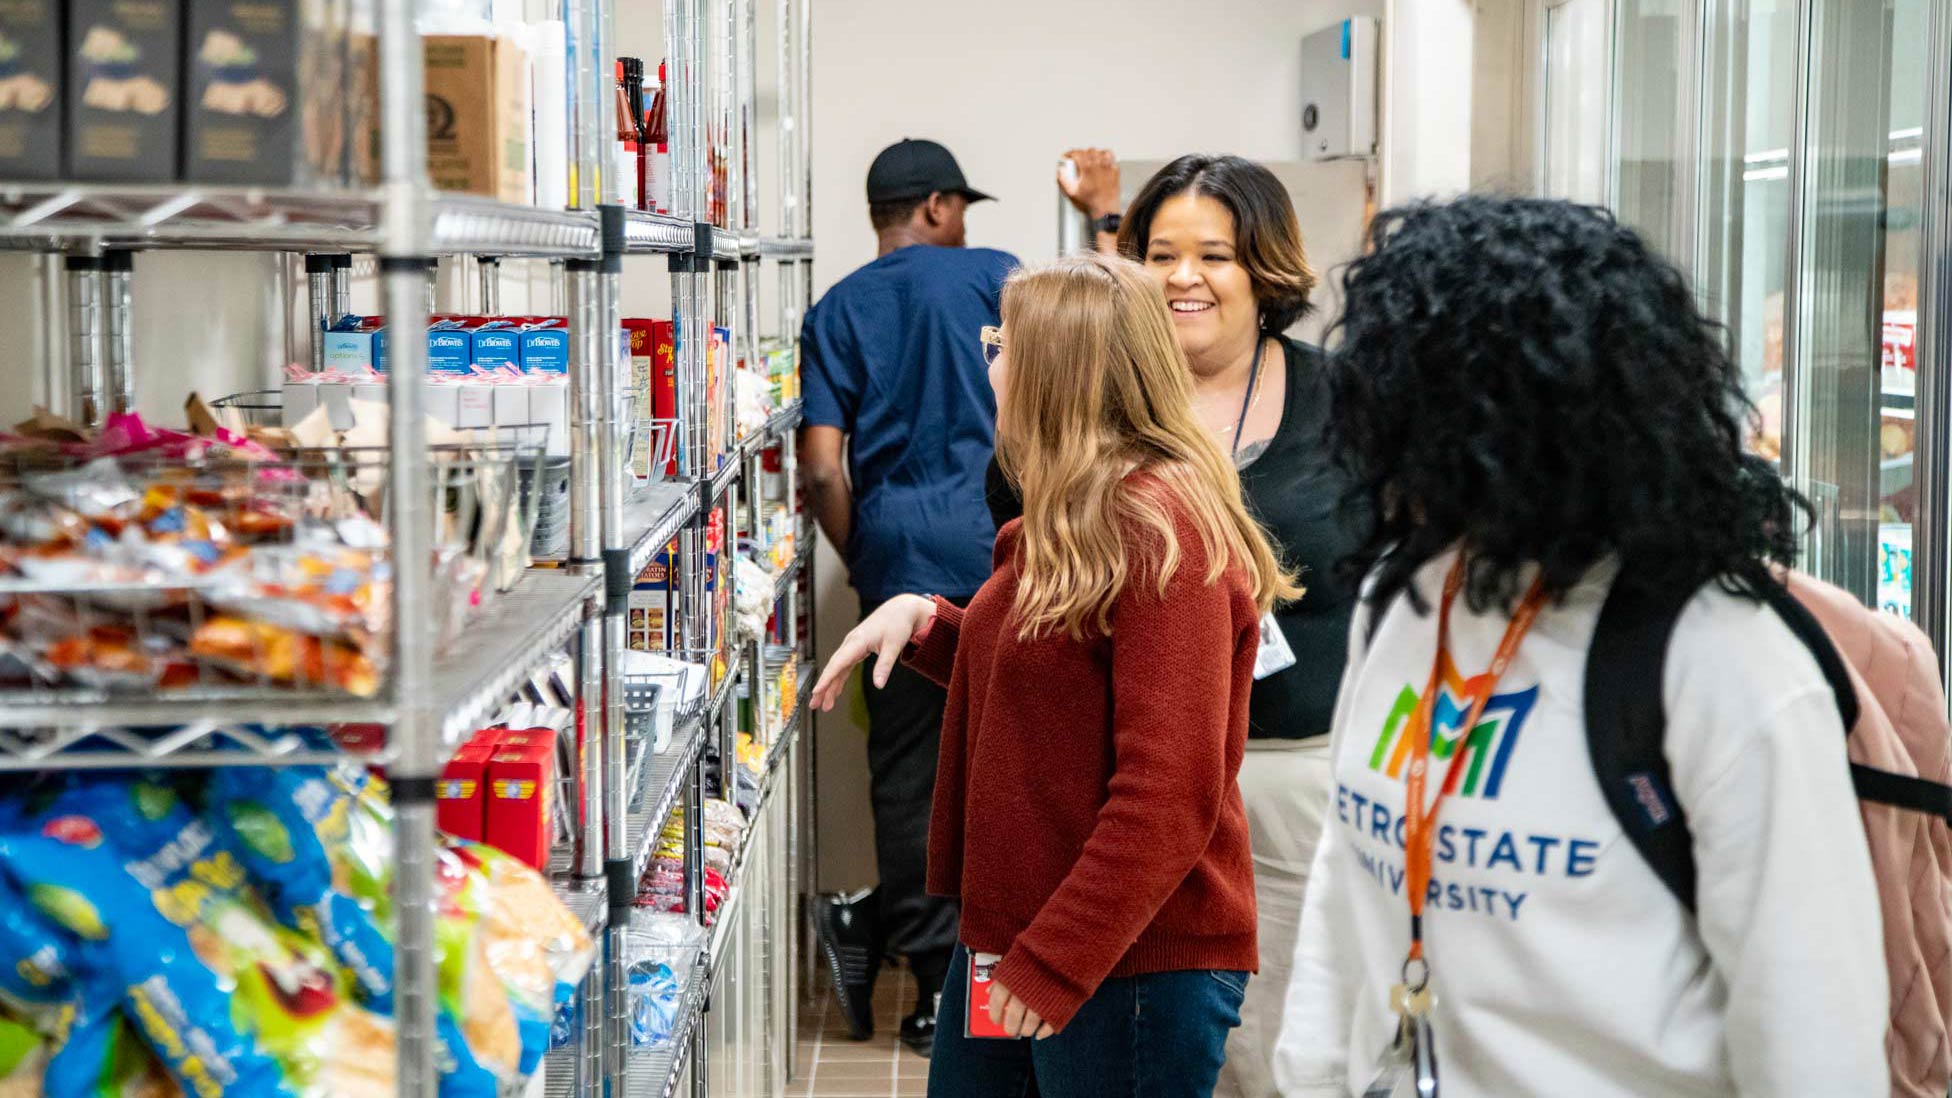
{"x":846,"y":927}
{"x":918,"y":1029}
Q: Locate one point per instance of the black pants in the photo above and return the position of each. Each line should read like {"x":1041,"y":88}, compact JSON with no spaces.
{"x":904,"y":736}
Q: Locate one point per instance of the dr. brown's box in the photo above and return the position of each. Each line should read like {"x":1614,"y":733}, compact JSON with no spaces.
{"x":124,"y":62}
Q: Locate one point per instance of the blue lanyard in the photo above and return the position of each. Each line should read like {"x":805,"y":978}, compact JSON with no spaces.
{"x":1246,"y":402}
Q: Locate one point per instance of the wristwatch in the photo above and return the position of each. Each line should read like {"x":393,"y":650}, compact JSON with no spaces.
{"x":1108,"y":223}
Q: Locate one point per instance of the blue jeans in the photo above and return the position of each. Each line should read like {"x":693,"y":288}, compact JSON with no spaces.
{"x":1162,"y":1035}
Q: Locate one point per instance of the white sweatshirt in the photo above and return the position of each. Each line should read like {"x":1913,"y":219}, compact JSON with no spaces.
{"x":1561,"y":964}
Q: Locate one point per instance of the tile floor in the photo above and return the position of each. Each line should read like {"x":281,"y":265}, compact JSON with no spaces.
{"x":831,"y":1066}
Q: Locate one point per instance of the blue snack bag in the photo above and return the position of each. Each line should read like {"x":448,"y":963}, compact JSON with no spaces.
{"x":231,"y":1004}
{"x":309,"y":843}
{"x":87,"y":1050}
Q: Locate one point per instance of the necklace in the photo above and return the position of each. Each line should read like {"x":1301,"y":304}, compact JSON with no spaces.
{"x":1249,"y":401}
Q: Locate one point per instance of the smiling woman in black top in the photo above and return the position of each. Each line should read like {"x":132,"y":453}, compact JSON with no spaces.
{"x":1221,"y":236}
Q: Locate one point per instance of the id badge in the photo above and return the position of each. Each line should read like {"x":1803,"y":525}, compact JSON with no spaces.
{"x":976,"y":1020}
{"x":1274,"y":655}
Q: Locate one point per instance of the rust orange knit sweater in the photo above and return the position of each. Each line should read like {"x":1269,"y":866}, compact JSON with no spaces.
{"x":1086,"y":813}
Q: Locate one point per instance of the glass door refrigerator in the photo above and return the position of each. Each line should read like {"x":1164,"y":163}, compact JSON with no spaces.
{"x":1792,"y":155}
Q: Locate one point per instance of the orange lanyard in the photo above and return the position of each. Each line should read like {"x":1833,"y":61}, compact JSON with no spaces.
{"x":1419,"y":824}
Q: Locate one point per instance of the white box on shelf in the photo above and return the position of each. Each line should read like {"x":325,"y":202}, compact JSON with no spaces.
{"x":337,"y":398}
{"x":477,"y":407}
{"x":511,"y":405}
{"x":444,"y":403}
{"x":549,"y":406}
{"x":300,"y":397}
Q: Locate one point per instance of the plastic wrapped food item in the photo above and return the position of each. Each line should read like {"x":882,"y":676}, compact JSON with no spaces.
{"x":305,"y":838}
{"x":23,"y":1059}
{"x":82,"y":1048}
{"x":538,"y":947}
{"x":256,"y":649}
{"x":321,"y":591}
{"x":232,"y":1005}
{"x":97,"y":491}
{"x":656,"y":996}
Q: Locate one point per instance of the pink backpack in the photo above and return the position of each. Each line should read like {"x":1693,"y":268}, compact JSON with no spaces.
{"x":1886,"y":680}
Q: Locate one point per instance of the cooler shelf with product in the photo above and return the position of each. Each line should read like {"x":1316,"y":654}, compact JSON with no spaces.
{"x":426,"y":715}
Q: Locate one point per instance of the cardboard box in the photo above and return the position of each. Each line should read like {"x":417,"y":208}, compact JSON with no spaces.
{"x":362,"y":105}
{"x":511,"y":406}
{"x":478,"y":121}
{"x":545,"y":349}
{"x":498,"y":347}
{"x":647,"y":628}
{"x":443,"y":400}
{"x":520,"y":813}
{"x":450,"y":351}
{"x":124,"y":67}
{"x":664,"y":386}
{"x":549,"y":406}
{"x":356,"y":345}
{"x":477,"y":405}
{"x":461,"y":796}
{"x":265,"y":101}
{"x":31,"y":100}
{"x":300,"y":397}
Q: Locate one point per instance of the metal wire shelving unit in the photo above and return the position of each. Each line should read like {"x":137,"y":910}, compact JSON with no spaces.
{"x":431,"y":700}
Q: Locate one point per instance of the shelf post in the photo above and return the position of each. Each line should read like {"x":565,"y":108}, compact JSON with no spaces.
{"x":321,"y":299}
{"x":341,"y":286}
{"x":118,"y":270}
{"x":85,"y":338}
{"x":417,"y":731}
{"x":490,"y":270}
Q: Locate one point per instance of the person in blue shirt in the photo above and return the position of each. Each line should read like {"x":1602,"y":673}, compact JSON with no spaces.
{"x":900,"y":426}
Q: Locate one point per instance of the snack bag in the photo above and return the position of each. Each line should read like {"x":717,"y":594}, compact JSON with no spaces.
{"x":517,"y":964}
{"x":497,"y":1024}
{"x":304,"y":836}
{"x":521,"y":903}
{"x":231,"y":1004}
{"x":23,"y":1059}
{"x":82,"y":1049}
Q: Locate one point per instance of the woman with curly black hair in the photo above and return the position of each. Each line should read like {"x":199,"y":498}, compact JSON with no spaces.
{"x":1535,"y":406}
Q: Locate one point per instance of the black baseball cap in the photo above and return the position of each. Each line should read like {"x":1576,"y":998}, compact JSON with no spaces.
{"x":916,"y":169}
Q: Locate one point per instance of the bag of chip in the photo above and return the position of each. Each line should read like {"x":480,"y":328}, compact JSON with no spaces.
{"x":308,"y":843}
{"x":232,"y":1004}
{"x":23,"y":1059}
{"x":521,"y":903}
{"x":86,"y":1049}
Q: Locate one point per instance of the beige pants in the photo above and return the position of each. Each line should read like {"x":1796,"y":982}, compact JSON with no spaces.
{"x":1286,"y":785}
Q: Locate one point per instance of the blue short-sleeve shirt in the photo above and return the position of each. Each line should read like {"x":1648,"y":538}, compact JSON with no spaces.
{"x":892,"y":356}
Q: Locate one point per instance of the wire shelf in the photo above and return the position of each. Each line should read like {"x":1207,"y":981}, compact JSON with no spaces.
{"x":50,"y":216}
{"x":514,"y":637}
{"x":653,"y":516}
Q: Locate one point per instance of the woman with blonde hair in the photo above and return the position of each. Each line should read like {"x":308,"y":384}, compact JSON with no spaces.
{"x":1086,"y":810}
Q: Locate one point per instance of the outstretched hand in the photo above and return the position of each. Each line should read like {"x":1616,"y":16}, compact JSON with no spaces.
{"x":882,"y":634}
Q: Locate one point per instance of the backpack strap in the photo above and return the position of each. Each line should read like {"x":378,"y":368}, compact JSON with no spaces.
{"x":1811,"y":632}
{"x":1902,"y":791}
{"x":1626,"y":723}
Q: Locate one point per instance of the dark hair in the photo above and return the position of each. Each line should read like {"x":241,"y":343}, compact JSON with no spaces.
{"x":1267,"y":237}
{"x":1523,"y":377}
{"x":893,"y":212}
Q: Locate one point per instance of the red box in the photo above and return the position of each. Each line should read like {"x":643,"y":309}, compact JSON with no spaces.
{"x":664,"y":382}
{"x":461,"y":798}
{"x":976,"y":1019}
{"x":521,"y":785}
